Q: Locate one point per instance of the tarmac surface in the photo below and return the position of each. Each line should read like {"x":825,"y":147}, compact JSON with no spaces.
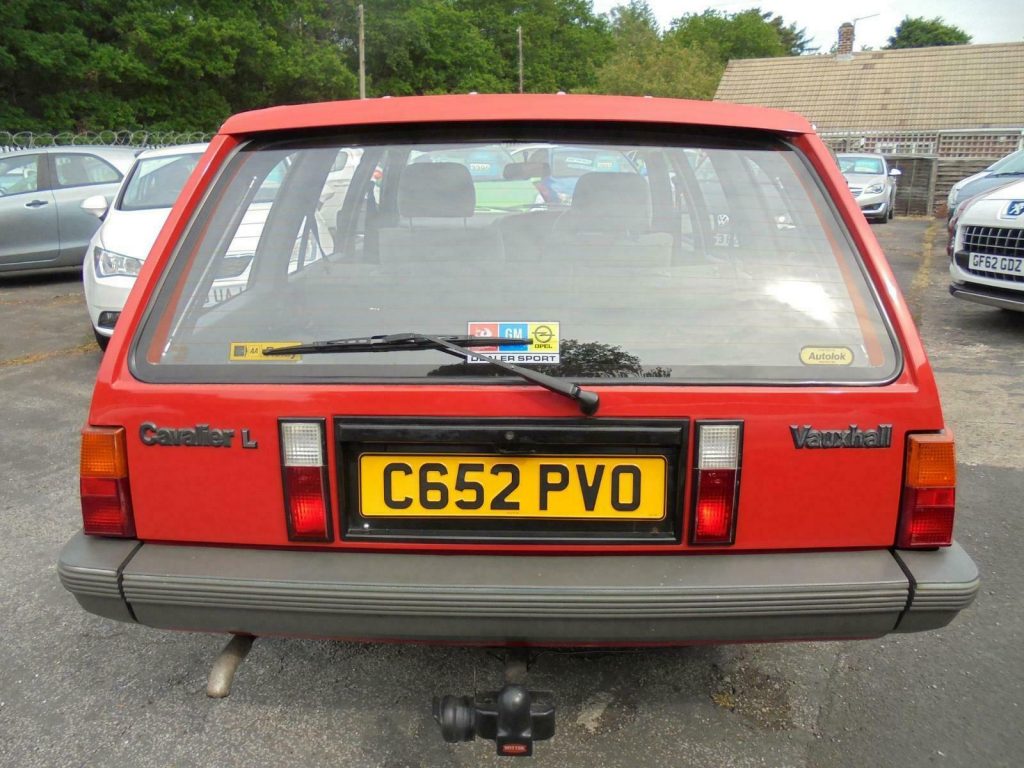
{"x":77,"y":690}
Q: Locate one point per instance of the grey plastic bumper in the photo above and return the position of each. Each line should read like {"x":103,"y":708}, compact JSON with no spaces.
{"x":500,"y":599}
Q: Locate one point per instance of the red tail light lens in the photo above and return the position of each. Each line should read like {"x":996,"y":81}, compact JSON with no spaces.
{"x":716,"y":483}
{"x":929,"y":493}
{"x":307,"y":510}
{"x":305,"y":480}
{"x":715,"y":504}
{"x":103,"y":481}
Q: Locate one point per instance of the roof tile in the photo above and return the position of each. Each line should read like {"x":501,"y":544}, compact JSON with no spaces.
{"x":940,"y":88}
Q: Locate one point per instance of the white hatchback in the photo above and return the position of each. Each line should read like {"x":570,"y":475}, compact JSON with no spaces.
{"x":986,"y":249}
{"x":129,"y":229}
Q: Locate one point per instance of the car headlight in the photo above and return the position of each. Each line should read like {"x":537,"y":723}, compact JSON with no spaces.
{"x":109,"y":264}
{"x":875,"y":189}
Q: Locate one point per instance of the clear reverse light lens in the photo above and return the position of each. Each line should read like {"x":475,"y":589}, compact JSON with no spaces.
{"x":109,"y":264}
{"x":303,"y":444}
{"x":719,"y":446}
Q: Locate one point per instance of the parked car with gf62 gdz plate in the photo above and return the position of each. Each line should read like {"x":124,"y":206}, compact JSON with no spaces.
{"x":986,"y":249}
{"x":675,"y":410}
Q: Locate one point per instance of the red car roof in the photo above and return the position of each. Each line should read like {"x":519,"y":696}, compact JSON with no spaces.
{"x":503,"y":107}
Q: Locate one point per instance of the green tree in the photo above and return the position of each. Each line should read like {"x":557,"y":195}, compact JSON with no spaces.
{"x":919,"y":32}
{"x":564,"y":41}
{"x":420,"y":47}
{"x":204,"y":59}
{"x":171,"y":64}
{"x":644,"y":64}
{"x":725,"y":36}
{"x":439,"y":46}
{"x":793,"y":39}
{"x":55,"y":65}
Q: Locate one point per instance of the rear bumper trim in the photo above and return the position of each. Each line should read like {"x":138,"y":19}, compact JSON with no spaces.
{"x":499,"y":599}
{"x":945,"y":582}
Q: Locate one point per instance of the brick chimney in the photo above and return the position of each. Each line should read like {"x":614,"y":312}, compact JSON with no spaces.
{"x":845,"y":46}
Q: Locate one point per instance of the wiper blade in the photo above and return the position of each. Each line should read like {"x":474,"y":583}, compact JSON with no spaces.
{"x":388,"y":343}
{"x":457,"y":346}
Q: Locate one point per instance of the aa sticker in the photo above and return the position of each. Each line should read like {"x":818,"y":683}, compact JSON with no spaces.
{"x":826,"y":356}
{"x":252,"y":351}
{"x":540,"y":341}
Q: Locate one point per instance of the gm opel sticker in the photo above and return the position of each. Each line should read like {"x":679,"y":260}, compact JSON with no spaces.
{"x":540,"y":341}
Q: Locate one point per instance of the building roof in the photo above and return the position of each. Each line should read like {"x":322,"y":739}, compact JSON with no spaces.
{"x":940,"y":88}
{"x":513,"y":107}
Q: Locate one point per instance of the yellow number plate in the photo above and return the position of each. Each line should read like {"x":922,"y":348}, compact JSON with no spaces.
{"x":612,"y":488}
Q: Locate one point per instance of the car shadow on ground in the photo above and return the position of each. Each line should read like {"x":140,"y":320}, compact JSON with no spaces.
{"x":19,"y":278}
{"x":987,"y":319}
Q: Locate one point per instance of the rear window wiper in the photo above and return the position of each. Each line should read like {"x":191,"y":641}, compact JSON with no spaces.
{"x":457,"y":346}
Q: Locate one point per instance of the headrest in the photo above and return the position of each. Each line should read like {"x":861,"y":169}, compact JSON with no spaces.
{"x":436,"y":190}
{"x":611,"y":202}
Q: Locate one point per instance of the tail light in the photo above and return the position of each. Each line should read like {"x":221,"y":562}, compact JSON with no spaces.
{"x":103,"y":481}
{"x":305,"y":480}
{"x":929,"y":493}
{"x":716,"y":483}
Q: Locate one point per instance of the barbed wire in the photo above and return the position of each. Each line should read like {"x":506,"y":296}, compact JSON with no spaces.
{"x":30,"y":140}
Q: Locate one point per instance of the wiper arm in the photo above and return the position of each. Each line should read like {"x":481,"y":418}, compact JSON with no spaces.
{"x":457,"y":346}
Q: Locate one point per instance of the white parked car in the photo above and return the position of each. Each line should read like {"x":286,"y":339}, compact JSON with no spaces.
{"x":129,"y":228}
{"x":987,"y":249}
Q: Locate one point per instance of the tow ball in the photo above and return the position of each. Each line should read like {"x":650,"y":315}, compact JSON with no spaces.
{"x":512,"y":717}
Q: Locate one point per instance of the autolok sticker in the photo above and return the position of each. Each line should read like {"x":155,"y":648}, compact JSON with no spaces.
{"x":252,"y":351}
{"x":826,"y":356}
{"x":540,"y":341}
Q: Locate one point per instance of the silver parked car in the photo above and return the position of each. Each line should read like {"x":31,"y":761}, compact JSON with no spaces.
{"x":1004,"y":171}
{"x":872,"y":183}
{"x":42,"y":223}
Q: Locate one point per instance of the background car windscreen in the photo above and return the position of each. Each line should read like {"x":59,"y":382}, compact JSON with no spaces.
{"x":701,"y":262}
{"x":155,"y":182}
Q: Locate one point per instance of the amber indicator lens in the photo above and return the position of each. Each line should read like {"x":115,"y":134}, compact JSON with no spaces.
{"x":716,"y":482}
{"x":931,"y":461}
{"x":103,"y":452}
{"x":305,"y":480}
{"x":106,"y":496}
{"x":929,"y":493}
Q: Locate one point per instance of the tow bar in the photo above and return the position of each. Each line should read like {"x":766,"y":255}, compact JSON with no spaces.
{"x":512,"y":717}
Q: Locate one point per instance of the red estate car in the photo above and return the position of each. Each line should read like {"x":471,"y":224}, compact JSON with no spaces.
{"x":685,"y":404}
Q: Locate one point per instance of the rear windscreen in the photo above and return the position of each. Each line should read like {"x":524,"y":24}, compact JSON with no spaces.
{"x":614,"y":255}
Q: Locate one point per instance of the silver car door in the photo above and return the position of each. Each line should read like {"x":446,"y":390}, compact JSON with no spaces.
{"x":77,"y":176}
{"x":28,"y":213}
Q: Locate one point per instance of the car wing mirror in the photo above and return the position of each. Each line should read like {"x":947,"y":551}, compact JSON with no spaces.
{"x":895,"y":172}
{"x":96,"y":205}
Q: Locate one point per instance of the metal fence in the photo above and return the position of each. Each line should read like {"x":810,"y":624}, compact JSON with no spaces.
{"x":10,"y":142}
{"x":931,"y":161}
{"x":960,"y":143}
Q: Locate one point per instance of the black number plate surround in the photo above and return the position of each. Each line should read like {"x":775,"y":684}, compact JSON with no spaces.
{"x":507,"y":437}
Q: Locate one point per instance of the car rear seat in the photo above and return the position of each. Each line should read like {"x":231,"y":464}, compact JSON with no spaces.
{"x":436,"y":202}
{"x":609,"y":222}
